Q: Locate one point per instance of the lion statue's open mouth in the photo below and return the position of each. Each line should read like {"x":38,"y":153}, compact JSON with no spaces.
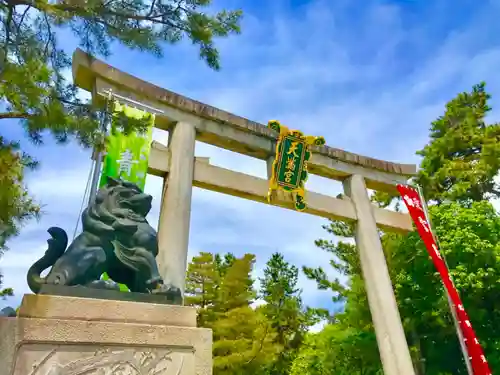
{"x":127,"y":196}
{"x":139,"y":203}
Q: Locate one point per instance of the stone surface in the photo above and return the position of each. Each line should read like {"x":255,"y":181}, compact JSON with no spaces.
{"x":43,"y":359}
{"x":73,"y":308}
{"x":392,"y":345}
{"x":225,"y":181}
{"x":84,"y":292}
{"x":8,"y":330}
{"x":175,"y":213}
{"x":56,"y":335}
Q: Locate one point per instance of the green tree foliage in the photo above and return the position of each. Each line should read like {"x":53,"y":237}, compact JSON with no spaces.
{"x":243,"y":337}
{"x":463,"y":155}
{"x":16,"y":207}
{"x":243,"y":342}
{"x":469,"y":239}
{"x":236,"y":284}
{"x":221,"y":287}
{"x":462,"y":158}
{"x":338,"y":350}
{"x":33,"y":87}
{"x":202,"y":283}
{"x":284,"y":310}
{"x":350,"y":335}
{"x":345,"y":260}
{"x":6,"y":292}
{"x":224,"y":262}
{"x":457,"y":171}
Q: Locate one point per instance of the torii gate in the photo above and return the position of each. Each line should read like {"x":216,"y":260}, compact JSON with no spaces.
{"x":189,"y":121}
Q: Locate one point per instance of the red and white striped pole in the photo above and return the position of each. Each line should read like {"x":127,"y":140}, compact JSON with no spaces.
{"x":473,"y":353}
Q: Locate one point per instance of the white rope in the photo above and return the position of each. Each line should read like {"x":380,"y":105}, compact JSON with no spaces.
{"x":94,"y":183}
{"x":142,"y":106}
{"x":89,"y":178}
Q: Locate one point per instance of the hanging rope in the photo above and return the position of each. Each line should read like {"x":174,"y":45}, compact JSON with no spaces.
{"x":87,"y":187}
{"x":91,"y":181}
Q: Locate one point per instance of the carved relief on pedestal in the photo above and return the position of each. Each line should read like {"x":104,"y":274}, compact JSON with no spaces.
{"x":36,"y":359}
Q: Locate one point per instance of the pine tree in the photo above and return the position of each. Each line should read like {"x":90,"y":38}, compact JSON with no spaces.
{"x":349,"y":329}
{"x":33,"y":88}
{"x":244,"y":342}
{"x":223,"y":263}
{"x":222,"y":289}
{"x":16,"y":207}
{"x":202,"y":280}
{"x":463,"y":156}
{"x":7,"y":292}
{"x":243,"y":337}
{"x":284,"y":310}
{"x":236,"y":286}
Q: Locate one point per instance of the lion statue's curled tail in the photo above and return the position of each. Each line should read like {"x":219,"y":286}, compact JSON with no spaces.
{"x":56,"y":246}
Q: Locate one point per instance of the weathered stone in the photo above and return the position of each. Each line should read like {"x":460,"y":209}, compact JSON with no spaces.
{"x":93,"y":309}
{"x":225,"y":181}
{"x":392,"y":345}
{"x":65,"y":336}
{"x":84,"y":292}
{"x":175,"y":214}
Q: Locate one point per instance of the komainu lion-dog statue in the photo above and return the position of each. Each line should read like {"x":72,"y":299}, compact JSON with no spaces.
{"x":116,"y":239}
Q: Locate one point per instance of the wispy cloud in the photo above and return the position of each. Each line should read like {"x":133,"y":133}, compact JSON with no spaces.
{"x":369,"y":76}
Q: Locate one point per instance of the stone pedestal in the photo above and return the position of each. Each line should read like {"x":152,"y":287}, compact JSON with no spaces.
{"x":55,"y":335}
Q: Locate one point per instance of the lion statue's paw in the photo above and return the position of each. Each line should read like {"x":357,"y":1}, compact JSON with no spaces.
{"x":173,"y":293}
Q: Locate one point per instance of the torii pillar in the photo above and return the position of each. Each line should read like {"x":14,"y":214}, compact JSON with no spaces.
{"x":175,"y":212}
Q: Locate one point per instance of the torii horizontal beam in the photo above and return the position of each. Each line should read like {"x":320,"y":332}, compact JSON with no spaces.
{"x":229,"y":131}
{"x":226,"y":181}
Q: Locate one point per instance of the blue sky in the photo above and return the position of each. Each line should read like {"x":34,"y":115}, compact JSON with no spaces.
{"x":368,"y":75}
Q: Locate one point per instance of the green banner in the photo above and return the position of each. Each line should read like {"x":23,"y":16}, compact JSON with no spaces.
{"x":289,"y":171}
{"x":127,"y":155}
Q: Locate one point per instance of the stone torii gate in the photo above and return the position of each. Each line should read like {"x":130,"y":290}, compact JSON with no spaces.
{"x":188,"y":121}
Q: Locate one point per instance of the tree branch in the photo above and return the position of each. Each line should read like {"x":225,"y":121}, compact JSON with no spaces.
{"x":19,"y":115}
{"x":261,"y":346}
{"x":49,"y":36}
{"x":76,"y":104}
{"x":151,"y":9}
{"x":86,"y":12}
{"x":8,"y":20}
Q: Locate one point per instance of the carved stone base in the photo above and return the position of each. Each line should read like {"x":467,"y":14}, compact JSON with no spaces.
{"x":55,"y":335}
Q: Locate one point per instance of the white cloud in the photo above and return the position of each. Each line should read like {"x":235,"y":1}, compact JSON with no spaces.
{"x":496,"y":202}
{"x":318,"y":326}
{"x":257,"y":303}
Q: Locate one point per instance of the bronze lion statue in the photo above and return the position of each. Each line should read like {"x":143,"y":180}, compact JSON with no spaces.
{"x":116,"y":239}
